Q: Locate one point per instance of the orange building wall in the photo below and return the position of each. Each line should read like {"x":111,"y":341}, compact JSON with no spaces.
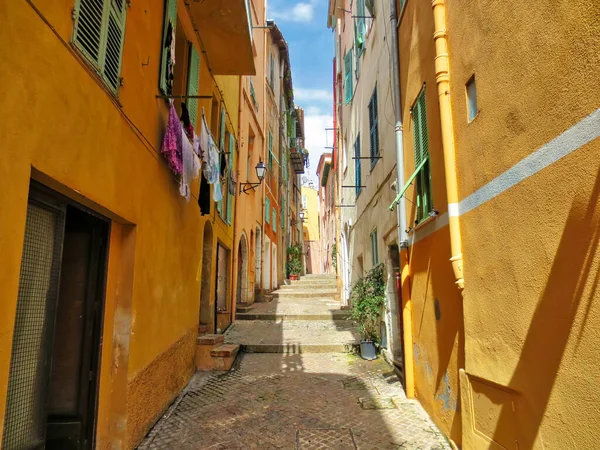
{"x":437,"y":327}
{"x":531,"y":254}
{"x":69,"y":134}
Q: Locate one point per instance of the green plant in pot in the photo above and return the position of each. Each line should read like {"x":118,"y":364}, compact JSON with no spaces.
{"x":368,"y":298}
{"x":294,"y":262}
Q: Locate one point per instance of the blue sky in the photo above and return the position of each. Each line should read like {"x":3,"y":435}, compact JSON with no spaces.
{"x":304,"y":26}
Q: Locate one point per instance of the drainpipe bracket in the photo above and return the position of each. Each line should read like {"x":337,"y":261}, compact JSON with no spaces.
{"x":404,"y":244}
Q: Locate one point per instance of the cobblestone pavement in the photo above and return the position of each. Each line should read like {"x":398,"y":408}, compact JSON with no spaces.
{"x":296,"y":401}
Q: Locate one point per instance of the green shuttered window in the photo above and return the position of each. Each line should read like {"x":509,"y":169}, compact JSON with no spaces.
{"x":193,"y":82}
{"x":283,"y":211}
{"x":374,"y":129}
{"x":99,"y":33}
{"x":274,"y":220}
{"x":170,"y":17}
{"x":267,"y":210}
{"x":360,"y":27}
{"x":270,"y":148}
{"x":222,"y":149}
{"x":421,"y":144}
{"x":374,"y":250}
{"x":348,"y":77}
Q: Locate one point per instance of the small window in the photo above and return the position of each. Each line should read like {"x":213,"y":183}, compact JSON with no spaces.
{"x":348,"y":77}
{"x":267,"y":210}
{"x":472,"y":99}
{"x":374,"y":251}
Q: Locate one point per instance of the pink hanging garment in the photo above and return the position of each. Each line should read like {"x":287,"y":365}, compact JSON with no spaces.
{"x":172,"y":148}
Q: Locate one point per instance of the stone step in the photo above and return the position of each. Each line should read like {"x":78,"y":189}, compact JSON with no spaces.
{"x":308,"y":285}
{"x":225,"y":350}
{"x":203,"y":329}
{"x":294,"y":336}
{"x":303,"y":293}
{"x":318,"y":277}
{"x":210,"y":339}
{"x":274,"y":316}
{"x":242,"y":308}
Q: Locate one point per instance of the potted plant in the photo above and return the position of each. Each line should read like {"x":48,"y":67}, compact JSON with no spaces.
{"x":294,"y":262}
{"x":368,"y":298}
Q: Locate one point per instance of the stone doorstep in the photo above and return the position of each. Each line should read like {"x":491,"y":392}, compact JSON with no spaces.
{"x":243,"y":308}
{"x":203,"y":329}
{"x":210,"y":339}
{"x":225,"y":350}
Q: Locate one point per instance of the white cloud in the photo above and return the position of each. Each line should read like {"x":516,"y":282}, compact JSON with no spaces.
{"x":308,"y":95}
{"x":300,"y":12}
{"x":317,"y":137}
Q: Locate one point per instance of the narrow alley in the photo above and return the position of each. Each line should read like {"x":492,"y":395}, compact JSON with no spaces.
{"x":299,"y":224}
{"x":297,"y":384}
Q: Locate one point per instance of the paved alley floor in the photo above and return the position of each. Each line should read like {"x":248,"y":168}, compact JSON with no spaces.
{"x":296,"y":401}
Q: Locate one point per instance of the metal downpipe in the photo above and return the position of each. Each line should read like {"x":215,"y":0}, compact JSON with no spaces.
{"x":406,"y":316}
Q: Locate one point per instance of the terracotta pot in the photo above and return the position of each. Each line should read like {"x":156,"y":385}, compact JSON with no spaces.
{"x":293,"y":277}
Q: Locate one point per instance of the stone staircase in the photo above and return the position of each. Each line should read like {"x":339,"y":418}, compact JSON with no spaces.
{"x":303,"y":317}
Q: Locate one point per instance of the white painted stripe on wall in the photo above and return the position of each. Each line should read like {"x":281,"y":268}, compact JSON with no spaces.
{"x":572,"y":139}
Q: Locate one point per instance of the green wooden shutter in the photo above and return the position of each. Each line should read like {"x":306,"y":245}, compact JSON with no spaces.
{"x":360,"y":29}
{"x":374,"y":129}
{"x":231,"y":172}
{"x":348,"y":77}
{"x":283,"y":211}
{"x":267,"y":210}
{"x":193,"y":82}
{"x":170,"y":16}
{"x":274,"y":220}
{"x":222,"y":149}
{"x":99,"y":33}
{"x":115,"y":33}
{"x":357,"y":173}
{"x":89,"y":29}
{"x":270,"y":147}
{"x":420,"y":135}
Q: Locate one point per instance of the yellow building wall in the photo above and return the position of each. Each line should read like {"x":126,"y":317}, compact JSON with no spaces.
{"x":532,"y":262}
{"x":437,"y":326}
{"x":68,"y":133}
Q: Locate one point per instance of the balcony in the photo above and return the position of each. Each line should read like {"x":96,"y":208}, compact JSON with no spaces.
{"x":224,"y":28}
{"x":297,"y":158}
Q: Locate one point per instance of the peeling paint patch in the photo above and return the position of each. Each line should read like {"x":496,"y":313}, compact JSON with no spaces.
{"x":445,"y":395}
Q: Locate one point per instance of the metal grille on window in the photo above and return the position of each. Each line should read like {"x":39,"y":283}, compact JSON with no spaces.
{"x":25,"y":420}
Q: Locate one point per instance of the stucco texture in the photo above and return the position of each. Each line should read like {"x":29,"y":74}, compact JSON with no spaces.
{"x":532,"y":264}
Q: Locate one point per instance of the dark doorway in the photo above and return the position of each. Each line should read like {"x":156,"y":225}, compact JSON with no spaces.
{"x":53,"y":379}
{"x":206,"y":317}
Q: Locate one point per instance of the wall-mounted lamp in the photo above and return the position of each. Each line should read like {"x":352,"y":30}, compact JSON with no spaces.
{"x":261,"y":170}
{"x":301,"y":215}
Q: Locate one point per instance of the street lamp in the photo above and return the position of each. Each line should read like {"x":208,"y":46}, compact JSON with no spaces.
{"x":261,"y":170}
{"x":301,"y":216}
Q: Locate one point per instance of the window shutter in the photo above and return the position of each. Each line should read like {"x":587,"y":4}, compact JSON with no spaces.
{"x":360,"y":26}
{"x":231,"y":172}
{"x":170,"y":17}
{"x":348,"y":76}
{"x":88,"y":33}
{"x":274,"y":220}
{"x":420,"y":136}
{"x":115,"y":34}
{"x":267,"y":210}
{"x":193,"y":81}
{"x":222,"y":137}
{"x":282,"y":215}
{"x":374,"y":128}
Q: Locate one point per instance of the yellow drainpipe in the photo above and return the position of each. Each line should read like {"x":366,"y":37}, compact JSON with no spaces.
{"x":409,"y":371}
{"x":442,"y":79}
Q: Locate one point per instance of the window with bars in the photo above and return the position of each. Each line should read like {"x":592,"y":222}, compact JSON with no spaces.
{"x":99,"y":32}
{"x":424,"y":202}
{"x":348,"y":77}
{"x":357,"y":174}
{"x":374,"y":250}
{"x":374,"y":129}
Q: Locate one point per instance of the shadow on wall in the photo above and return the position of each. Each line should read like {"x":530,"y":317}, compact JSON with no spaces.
{"x":574,"y":269}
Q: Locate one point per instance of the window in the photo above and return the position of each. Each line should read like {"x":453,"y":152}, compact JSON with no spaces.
{"x":357,"y":174}
{"x":374,"y":129}
{"x":421,"y":143}
{"x":272,"y":73}
{"x":283,"y":211}
{"x":223,"y":181}
{"x":359,"y":28}
{"x":402,"y":3}
{"x":348,"y":77}
{"x":192,"y":84}
{"x":304,"y":202}
{"x":267,"y":210}
{"x":98,"y":33}
{"x":270,"y":147}
{"x":231,"y":185}
{"x":374,"y":251}
{"x":274,"y":220}
{"x":472,"y":99}
{"x":169,"y":25}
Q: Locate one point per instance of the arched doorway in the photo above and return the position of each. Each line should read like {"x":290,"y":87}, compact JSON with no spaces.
{"x":206,"y":312}
{"x":242,"y":271}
